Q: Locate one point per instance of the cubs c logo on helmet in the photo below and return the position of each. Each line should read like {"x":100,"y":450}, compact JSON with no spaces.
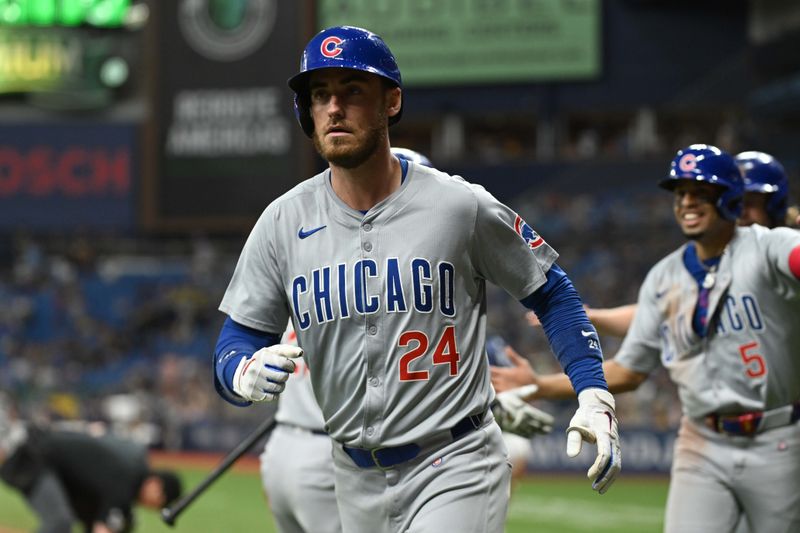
{"x":330,"y":47}
{"x":687,"y":163}
{"x":526,"y":232}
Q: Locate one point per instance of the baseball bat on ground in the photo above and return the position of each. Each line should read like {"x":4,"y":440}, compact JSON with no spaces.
{"x":170,"y":513}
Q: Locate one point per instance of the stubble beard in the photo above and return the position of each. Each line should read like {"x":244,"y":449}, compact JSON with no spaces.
{"x":341,"y":154}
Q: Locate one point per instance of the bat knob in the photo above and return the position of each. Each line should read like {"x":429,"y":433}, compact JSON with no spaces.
{"x":167,"y":516}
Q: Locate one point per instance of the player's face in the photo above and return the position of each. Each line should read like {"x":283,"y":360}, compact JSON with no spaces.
{"x":350,"y":110}
{"x":754,"y":210}
{"x":151,"y":493}
{"x":695,"y":209}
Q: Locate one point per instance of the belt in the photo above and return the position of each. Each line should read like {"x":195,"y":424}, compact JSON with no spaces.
{"x":301,"y":429}
{"x":749,"y":424}
{"x":388,"y":457}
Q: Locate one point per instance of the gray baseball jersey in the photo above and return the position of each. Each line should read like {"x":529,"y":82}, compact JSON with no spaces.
{"x":389,"y":306}
{"x":750,"y":360}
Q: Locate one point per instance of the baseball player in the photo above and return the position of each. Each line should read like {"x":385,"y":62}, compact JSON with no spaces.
{"x":296,"y":468}
{"x":70,"y":477}
{"x":381,"y":265}
{"x":765,"y":202}
{"x":766,"y":190}
{"x":722,"y":314}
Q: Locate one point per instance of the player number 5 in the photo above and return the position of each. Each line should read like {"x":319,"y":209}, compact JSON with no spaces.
{"x":445,"y":352}
{"x":753,"y":362}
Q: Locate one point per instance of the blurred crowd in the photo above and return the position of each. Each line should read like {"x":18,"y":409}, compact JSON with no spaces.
{"x":120,"y":331}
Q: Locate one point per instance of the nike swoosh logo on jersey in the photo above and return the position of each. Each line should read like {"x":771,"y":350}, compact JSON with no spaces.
{"x":587,"y":333}
{"x":303,"y":234}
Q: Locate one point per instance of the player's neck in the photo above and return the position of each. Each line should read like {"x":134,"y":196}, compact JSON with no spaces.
{"x":365,"y":186}
{"x":714,"y":242}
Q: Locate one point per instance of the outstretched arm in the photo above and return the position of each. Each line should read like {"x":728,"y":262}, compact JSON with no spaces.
{"x":555,"y":386}
{"x":612,"y":320}
{"x":607,"y":320}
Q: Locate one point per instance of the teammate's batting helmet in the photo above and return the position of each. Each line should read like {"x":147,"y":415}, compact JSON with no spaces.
{"x":763,"y":173}
{"x":411,"y":155}
{"x":703,"y":162}
{"x":342,"y":47}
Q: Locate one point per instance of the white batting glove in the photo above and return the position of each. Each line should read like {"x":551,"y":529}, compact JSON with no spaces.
{"x":515,"y":415}
{"x":262,"y":376}
{"x":596,"y":422}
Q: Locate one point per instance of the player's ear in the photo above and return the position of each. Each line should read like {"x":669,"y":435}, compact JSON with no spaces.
{"x":394,"y":101}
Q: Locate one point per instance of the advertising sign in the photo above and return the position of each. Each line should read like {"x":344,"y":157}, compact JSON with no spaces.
{"x":446,"y":42}
{"x":227,"y":142}
{"x":66,"y":176}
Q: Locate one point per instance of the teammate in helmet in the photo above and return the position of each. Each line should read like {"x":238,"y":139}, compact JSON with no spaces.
{"x":766,"y":196}
{"x":411,"y":155}
{"x":765,"y":200}
{"x":721,"y":314}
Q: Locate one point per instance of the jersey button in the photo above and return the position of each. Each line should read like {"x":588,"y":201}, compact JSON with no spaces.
{"x":370,"y":431}
{"x":373,"y":330}
{"x":368,"y":246}
{"x":374,"y":382}
{"x":367,"y":226}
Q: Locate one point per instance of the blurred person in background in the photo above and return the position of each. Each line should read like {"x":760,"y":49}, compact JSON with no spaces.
{"x":70,"y":477}
{"x":765,"y":202}
{"x":722,"y":314}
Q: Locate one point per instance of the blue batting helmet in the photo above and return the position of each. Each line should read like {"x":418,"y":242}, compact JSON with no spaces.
{"x":703,"y":162}
{"x":411,"y":155}
{"x":763,"y":173}
{"x":342,"y":47}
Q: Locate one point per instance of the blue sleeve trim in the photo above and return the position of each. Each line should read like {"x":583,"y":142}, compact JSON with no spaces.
{"x":572,"y":336}
{"x":236,"y":342}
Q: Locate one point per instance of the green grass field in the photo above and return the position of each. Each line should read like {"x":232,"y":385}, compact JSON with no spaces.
{"x":548,"y":504}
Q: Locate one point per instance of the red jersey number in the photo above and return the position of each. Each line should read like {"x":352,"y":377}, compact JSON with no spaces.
{"x":754,"y":363}
{"x":445,"y":353}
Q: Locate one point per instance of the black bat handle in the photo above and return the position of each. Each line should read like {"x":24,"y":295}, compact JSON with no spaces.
{"x":170,"y":513}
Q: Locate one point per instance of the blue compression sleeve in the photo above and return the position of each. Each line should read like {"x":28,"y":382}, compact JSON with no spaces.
{"x":572,"y":336}
{"x":234,"y":343}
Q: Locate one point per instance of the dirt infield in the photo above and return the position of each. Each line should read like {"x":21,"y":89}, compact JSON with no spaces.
{"x":204,"y":461}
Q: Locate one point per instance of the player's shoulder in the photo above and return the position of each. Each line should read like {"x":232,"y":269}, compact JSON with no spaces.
{"x":454,"y":188}
{"x":756,"y":234}
{"x":302,"y":193}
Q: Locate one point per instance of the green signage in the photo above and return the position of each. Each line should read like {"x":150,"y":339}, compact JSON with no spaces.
{"x":440,"y":42}
{"x":100,"y":13}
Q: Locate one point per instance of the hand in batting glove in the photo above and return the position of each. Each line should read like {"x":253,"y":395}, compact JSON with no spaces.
{"x":262,"y":376}
{"x":596,"y":422}
{"x":515,"y":415}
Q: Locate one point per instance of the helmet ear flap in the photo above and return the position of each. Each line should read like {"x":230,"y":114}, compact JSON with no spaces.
{"x":302,"y":111}
{"x":730,"y":205}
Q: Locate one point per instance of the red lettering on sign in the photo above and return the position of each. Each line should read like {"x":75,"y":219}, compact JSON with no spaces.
{"x":73,"y":171}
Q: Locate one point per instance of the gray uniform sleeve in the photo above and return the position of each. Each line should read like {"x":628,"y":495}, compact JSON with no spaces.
{"x":255,"y":295}
{"x":779,"y":244}
{"x":641,"y":349}
{"x":506,"y":250}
